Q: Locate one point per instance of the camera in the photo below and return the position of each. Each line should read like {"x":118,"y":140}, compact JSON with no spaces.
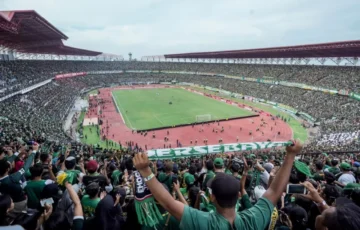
{"x":237,"y":164}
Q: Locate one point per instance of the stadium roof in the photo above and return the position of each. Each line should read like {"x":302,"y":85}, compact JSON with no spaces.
{"x":27,"y":32}
{"x":321,"y":50}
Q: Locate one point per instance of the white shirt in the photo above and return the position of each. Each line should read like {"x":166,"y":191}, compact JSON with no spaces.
{"x":265,"y":177}
{"x":346,"y":179}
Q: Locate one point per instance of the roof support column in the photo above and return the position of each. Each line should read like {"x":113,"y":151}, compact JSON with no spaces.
{"x":321,"y":60}
{"x":298,"y":61}
{"x":353,"y":60}
{"x":283,"y":60}
{"x":337,"y":61}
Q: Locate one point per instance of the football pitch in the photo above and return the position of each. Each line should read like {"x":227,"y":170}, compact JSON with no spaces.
{"x":144,"y":109}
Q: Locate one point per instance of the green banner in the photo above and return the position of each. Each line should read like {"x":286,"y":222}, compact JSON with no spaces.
{"x":355,"y":96}
{"x":3,"y":118}
{"x":197,"y":151}
{"x":267,"y":102}
{"x":211,"y":88}
{"x":307,"y":117}
{"x":286,"y":108}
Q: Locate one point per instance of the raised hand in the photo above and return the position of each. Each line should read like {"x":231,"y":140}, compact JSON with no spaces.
{"x":102,"y":195}
{"x":294,"y":149}
{"x":246,"y":167}
{"x":176,"y":186}
{"x":141,"y":161}
{"x":35,"y":147}
{"x":313,"y":193}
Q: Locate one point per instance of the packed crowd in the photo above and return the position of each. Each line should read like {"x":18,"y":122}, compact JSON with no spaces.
{"x":44,"y":109}
{"x":45,"y":185}
{"x":49,"y":182}
{"x":16,"y":75}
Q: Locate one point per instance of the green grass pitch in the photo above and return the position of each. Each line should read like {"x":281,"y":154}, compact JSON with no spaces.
{"x":299,"y":131}
{"x":150,"y":108}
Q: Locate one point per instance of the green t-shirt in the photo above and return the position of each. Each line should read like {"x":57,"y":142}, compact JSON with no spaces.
{"x":238,"y":177}
{"x":56,"y":154}
{"x":11,"y":184}
{"x":245,"y":202}
{"x":166,"y":179}
{"x":318,"y":176}
{"x":33,"y":191}
{"x":183,"y":184}
{"x":89,"y":205}
{"x":257,"y":217}
{"x":209,"y":175}
{"x":334,"y":170}
{"x":11,"y":158}
{"x":184,"y":192}
{"x":115,"y":177}
{"x":227,"y":171}
{"x":172,"y":224}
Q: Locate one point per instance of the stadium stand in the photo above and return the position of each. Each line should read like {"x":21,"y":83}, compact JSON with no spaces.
{"x":44,"y":173}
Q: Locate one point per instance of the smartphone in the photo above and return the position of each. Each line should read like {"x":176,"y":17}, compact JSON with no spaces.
{"x":295,"y":189}
{"x":205,"y":199}
{"x":46,"y":201}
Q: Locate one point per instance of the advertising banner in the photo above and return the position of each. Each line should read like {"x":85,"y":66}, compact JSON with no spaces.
{"x":67,"y":75}
{"x":307,"y":116}
{"x":287,"y":108}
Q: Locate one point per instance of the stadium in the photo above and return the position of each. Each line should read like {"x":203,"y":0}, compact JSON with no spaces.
{"x":174,"y":106}
{"x":131,"y":113}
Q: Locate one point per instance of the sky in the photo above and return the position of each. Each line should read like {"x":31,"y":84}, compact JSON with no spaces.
{"x":158,"y":27}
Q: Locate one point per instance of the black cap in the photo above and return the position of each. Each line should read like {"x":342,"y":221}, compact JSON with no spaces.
{"x":92,"y":186}
{"x":298,"y":215}
{"x":329,"y":177}
{"x":50,"y":191}
{"x":224,"y":186}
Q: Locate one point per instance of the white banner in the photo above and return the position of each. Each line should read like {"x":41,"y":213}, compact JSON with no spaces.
{"x":335,"y":139}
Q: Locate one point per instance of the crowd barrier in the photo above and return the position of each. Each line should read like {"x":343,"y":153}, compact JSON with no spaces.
{"x":187,"y":124}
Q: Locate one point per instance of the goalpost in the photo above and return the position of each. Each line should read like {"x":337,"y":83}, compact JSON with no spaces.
{"x":203,"y":118}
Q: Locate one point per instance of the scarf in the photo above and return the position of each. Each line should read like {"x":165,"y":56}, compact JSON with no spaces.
{"x":147,"y":212}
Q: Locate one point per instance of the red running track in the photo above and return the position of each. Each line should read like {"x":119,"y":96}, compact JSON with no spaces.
{"x":188,"y":135}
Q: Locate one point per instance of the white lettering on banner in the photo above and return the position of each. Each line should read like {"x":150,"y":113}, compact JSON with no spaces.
{"x":211,"y":149}
{"x":248,"y":146}
{"x":214,"y":149}
{"x":140,"y":186}
{"x":231,"y":147}
{"x":264,"y":145}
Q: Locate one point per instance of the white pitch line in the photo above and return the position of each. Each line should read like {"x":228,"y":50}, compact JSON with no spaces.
{"x":121,"y":112}
{"x":157,"y":119}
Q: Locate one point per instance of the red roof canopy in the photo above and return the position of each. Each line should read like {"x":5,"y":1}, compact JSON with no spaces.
{"x":322,"y":50}
{"x":28,"y":32}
